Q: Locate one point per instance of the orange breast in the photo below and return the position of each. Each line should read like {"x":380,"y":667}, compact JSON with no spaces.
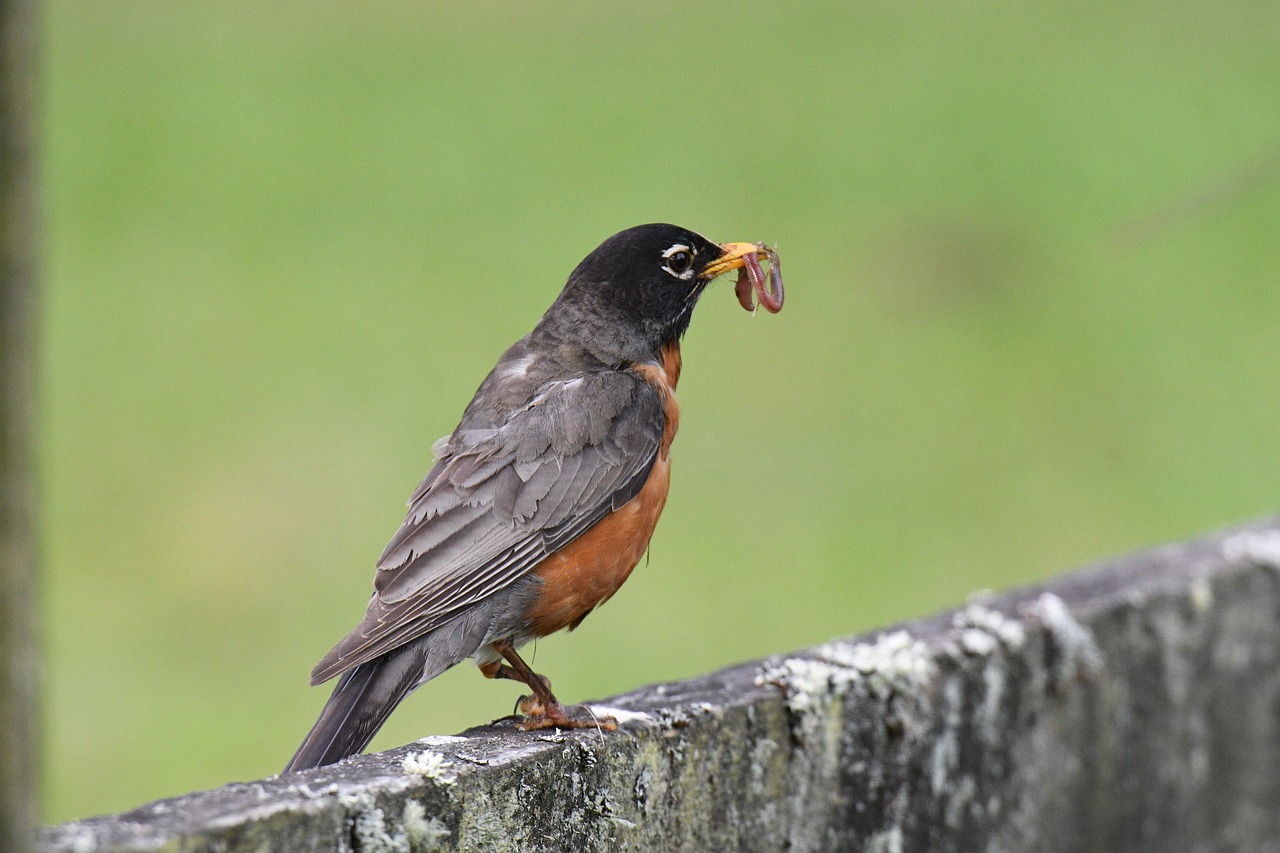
{"x":590,"y":569}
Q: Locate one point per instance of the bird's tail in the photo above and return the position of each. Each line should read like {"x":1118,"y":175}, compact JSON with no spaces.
{"x":367,"y":694}
{"x":360,"y":704}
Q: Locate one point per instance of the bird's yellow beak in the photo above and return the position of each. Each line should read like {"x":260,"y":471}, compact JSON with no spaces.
{"x":733,"y":257}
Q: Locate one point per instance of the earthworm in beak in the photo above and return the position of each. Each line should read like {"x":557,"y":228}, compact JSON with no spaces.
{"x":751,"y":277}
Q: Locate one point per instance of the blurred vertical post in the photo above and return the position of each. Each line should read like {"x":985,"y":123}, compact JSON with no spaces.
{"x":19,"y":744}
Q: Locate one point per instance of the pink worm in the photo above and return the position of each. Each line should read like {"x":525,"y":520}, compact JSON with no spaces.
{"x":752,"y":278}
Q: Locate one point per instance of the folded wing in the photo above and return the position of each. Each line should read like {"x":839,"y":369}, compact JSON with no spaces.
{"x":500,"y":499}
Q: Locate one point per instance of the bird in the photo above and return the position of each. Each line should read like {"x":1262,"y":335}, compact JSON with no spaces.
{"x":544,"y":498}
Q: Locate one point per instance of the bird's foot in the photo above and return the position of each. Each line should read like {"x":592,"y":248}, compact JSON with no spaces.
{"x":535,"y":716}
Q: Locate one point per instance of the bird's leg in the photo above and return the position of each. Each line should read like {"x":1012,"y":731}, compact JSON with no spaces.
{"x":501,"y":670}
{"x":525,"y":704}
{"x":547,"y":704}
{"x":542,"y":710}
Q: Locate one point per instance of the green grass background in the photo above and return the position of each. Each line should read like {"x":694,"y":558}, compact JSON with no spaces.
{"x":1033,"y":318}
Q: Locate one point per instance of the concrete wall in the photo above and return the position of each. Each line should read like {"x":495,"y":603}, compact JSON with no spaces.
{"x":1129,"y":706}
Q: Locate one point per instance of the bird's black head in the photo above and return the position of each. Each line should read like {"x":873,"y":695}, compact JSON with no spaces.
{"x":637,"y":290}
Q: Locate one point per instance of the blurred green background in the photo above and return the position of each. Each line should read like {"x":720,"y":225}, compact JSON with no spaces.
{"x":1031,"y":253}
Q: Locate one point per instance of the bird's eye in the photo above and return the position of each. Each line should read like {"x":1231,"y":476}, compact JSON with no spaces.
{"x":678,"y":260}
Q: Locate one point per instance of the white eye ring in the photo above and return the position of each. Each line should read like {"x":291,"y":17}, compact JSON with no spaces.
{"x":681,"y":268}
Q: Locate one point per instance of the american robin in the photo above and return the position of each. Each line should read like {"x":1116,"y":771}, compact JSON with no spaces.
{"x":542,"y":501}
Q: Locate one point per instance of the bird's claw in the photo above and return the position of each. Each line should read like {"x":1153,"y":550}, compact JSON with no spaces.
{"x":536,"y":717}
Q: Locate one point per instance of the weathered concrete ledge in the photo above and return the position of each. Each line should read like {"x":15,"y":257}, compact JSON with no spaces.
{"x":1129,"y":706}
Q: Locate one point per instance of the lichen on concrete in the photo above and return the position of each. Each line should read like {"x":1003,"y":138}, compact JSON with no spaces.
{"x":371,"y":835}
{"x":892,"y":663}
{"x":425,"y":834}
{"x":1201,"y":594}
{"x":430,"y":765}
{"x":371,"y":832}
{"x":1076,"y":652}
{"x":980,"y":630}
{"x":1260,"y":547}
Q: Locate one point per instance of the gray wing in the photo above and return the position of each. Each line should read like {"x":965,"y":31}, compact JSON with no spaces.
{"x":500,"y":499}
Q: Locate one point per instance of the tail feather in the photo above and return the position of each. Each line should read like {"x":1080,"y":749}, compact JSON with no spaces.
{"x":367,"y":694}
{"x":360,"y":704}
